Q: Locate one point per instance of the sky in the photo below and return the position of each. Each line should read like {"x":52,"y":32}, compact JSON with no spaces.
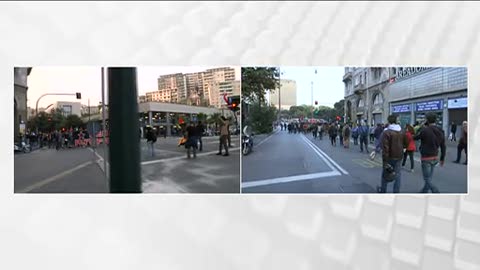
{"x":87,"y":80}
{"x":328,"y":87}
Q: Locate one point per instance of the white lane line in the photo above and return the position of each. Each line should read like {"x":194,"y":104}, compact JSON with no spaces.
{"x":288,"y":179}
{"x":183,"y":157}
{"x":55,"y":178}
{"x":325,"y":155}
{"x":268,"y":137}
{"x":320,"y":155}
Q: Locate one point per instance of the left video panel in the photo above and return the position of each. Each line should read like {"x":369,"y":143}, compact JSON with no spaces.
{"x":126,"y":129}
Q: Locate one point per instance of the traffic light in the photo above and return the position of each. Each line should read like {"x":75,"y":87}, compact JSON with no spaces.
{"x":316,"y":102}
{"x":338,"y":118}
{"x":79,"y":95}
{"x":234,"y":103}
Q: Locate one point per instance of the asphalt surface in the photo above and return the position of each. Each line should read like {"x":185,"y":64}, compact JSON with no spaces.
{"x":169,"y":170}
{"x":294,"y":163}
{"x":63,"y":171}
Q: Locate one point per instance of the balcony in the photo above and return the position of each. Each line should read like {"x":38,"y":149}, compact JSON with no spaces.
{"x":359,"y":88}
{"x":347,"y":76}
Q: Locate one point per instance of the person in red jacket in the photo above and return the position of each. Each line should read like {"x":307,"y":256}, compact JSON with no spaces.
{"x":410,"y":132}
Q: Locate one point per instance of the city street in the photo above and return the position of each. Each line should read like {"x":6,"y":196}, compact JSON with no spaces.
{"x":294,"y":163}
{"x":65,"y":171}
{"x":169,"y":171}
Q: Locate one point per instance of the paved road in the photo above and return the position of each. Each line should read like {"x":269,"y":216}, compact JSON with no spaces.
{"x":293,"y":163}
{"x":169,"y":171}
{"x":51,"y":171}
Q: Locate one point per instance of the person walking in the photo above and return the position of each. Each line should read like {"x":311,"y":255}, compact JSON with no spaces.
{"x":416,"y":129}
{"x":431,"y":139}
{"x":340,"y":134}
{"x":410,"y":150}
{"x":355,"y":134}
{"x":346,"y":136}
{"x":462,"y":144}
{"x":200,"y":131}
{"x":453,"y":131}
{"x":223,"y":136}
{"x":151,"y":139}
{"x":332,"y":132}
{"x":192,"y":142}
{"x":371,"y":131}
{"x":393,"y":143}
{"x":363,"y":131}
{"x":315,"y":131}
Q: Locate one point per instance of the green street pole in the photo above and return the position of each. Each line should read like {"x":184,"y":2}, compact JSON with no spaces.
{"x":124,"y":146}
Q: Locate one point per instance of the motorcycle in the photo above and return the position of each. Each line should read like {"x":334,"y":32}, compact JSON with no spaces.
{"x":247,"y":142}
{"x":22,"y":147}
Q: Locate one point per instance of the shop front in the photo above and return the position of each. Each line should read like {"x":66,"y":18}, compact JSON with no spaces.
{"x":404,"y":112}
{"x":431,"y":106}
{"x":457,"y":110}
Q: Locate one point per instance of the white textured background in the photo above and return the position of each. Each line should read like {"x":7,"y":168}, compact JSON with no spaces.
{"x":238,"y":231}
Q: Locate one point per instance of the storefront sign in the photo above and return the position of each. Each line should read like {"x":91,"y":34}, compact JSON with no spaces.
{"x":457,"y":103}
{"x":433,"y":105}
{"x":409,"y":71}
{"x":401,"y":108}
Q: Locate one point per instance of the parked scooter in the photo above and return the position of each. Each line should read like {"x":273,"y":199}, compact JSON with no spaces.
{"x":247,"y":141}
{"x":22,"y":147}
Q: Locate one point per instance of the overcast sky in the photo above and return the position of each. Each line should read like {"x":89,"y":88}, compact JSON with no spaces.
{"x":87,"y":80}
{"x":328,"y":87}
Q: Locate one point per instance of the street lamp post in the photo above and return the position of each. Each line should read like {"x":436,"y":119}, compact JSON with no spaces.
{"x":312,"y":102}
{"x":54,"y":94}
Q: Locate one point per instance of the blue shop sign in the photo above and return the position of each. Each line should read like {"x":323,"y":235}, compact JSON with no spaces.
{"x":401,"y":108}
{"x":433,"y":105}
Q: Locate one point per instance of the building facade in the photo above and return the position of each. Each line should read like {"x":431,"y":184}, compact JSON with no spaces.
{"x":213,"y":84}
{"x":20,"y":111}
{"x":69,"y":108}
{"x":172,"y":86}
{"x":288,"y":95}
{"x":371,"y":94}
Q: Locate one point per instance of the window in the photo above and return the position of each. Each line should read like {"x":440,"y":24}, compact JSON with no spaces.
{"x":67,"y":110}
{"x":360,"y":103}
{"x":378,"y":99}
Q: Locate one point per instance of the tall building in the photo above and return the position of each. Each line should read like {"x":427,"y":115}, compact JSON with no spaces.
{"x":219,"y":89}
{"x":288,"y":95}
{"x":213,"y":88}
{"x":371,"y":94}
{"x":195,"y":84}
{"x":20,"y":77}
{"x":173,"y":86}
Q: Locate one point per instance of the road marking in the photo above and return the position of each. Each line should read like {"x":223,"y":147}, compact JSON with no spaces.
{"x":288,"y":179}
{"x":325,"y":155}
{"x":269,"y":136}
{"x":183,"y":157}
{"x":321,"y":156}
{"x":56,"y":177}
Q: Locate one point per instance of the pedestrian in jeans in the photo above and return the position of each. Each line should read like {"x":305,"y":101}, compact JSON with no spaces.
{"x":462,"y":144}
{"x":223,"y":136}
{"x":192,"y":141}
{"x":346,"y":136}
{"x":355,"y":134}
{"x":372,"y":132}
{"x":200,"y":131}
{"x":393,"y":143}
{"x":410,"y":148}
{"x":151,"y":139}
{"x":431,"y":139}
{"x":363,"y":132}
{"x":453,"y":131}
{"x":332,"y":131}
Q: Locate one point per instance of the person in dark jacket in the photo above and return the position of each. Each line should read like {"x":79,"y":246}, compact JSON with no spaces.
{"x":432,"y":138}
{"x":192,"y":140}
{"x":363,"y":131}
{"x":151,"y":139}
{"x":332,"y":131}
{"x":200,"y":131}
{"x":462,"y":144}
{"x":393,"y":143}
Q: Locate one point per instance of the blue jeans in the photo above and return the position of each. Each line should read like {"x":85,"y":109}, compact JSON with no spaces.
{"x":151,"y":147}
{"x":427,"y":168}
{"x":396,"y":183}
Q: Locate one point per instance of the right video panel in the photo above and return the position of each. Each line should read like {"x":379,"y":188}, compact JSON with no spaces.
{"x":354,"y":129}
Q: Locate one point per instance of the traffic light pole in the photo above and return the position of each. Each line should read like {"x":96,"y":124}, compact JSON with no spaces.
{"x":124,"y":145}
{"x":53,"y":94}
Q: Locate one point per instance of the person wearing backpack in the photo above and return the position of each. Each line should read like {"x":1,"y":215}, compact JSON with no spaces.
{"x":355,"y":134}
{"x":432,"y":138}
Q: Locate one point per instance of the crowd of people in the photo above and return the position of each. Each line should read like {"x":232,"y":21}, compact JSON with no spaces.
{"x":191,"y":137}
{"x":58,"y":139}
{"x":394,"y":143}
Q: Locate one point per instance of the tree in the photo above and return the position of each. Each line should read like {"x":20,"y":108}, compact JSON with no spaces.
{"x":256,"y":81}
{"x":201,"y":117}
{"x":72,"y":121}
{"x":261,"y":117}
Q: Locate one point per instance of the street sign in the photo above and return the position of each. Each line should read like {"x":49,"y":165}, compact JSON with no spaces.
{"x":401,"y":108}
{"x":458,"y":103}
